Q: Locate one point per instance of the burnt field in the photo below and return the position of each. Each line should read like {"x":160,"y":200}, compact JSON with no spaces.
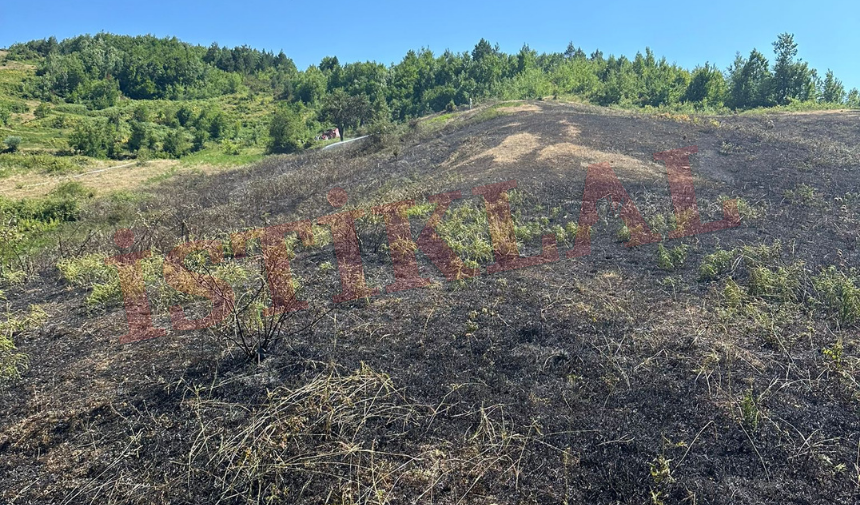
{"x":715,"y":368}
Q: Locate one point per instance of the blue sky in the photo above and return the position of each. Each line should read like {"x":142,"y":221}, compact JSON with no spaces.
{"x":688,"y":33}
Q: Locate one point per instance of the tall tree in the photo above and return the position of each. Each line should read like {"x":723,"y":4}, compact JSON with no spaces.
{"x":346,"y":111}
{"x":832,"y":90}
{"x":792,"y":79}
{"x":750,"y":81}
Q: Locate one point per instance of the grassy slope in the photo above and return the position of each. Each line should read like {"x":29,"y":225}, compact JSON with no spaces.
{"x":42,"y":162}
{"x":605,"y":379}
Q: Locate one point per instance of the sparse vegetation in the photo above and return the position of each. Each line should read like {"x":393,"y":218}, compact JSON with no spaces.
{"x":730,"y":376}
{"x":670,"y":259}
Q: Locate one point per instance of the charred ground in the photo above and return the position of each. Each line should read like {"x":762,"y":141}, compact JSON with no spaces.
{"x":631,"y":375}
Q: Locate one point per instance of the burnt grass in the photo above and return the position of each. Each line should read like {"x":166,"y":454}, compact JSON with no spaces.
{"x":602,"y":379}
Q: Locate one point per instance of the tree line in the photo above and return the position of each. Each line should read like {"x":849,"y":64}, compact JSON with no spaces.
{"x":97,"y":70}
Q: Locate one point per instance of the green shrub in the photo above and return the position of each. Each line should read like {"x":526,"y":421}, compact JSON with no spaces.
{"x":762,"y":254}
{"x":670,"y":259}
{"x":176,"y":143}
{"x":87,"y":271}
{"x":91,"y":272}
{"x":802,"y":195}
{"x":733,"y":295}
{"x":12,"y":143}
{"x":94,"y":137}
{"x":42,"y":110}
{"x":286,"y":131}
{"x":716,"y":264}
{"x":749,"y":410}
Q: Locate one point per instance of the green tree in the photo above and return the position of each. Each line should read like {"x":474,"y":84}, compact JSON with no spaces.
{"x":707,"y":86}
{"x":5,"y":114}
{"x":286,"y":130}
{"x":99,"y":94}
{"x":200,"y":136}
{"x":853,"y":99}
{"x":42,"y":110}
{"x":141,"y":113}
{"x":176,"y":143}
{"x":750,"y":81}
{"x":346,"y":111}
{"x":792,"y":79}
{"x":93,"y":137}
{"x":139,"y":136}
{"x":832,"y":90}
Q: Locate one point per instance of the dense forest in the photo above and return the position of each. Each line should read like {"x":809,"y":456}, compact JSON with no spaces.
{"x":161,"y":95}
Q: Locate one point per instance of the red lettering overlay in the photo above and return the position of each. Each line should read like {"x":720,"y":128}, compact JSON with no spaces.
{"x":197,"y":284}
{"x":601,"y":182}
{"x":680,"y":175}
{"x":432,"y":245}
{"x":401,"y":246}
{"x":501,"y":225}
{"x":276,"y":258}
{"x":348,"y":254}
{"x":136,"y":302}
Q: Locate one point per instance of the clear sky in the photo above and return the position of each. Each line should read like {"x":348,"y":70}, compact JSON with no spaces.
{"x":688,"y":33}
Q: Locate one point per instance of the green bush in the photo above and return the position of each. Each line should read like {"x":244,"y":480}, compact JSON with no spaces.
{"x":176,"y":143}
{"x":464,"y":229}
{"x":12,"y":143}
{"x":670,"y":259}
{"x":286,"y":131}
{"x":716,"y":264}
{"x":94,"y":137}
{"x":42,"y":110}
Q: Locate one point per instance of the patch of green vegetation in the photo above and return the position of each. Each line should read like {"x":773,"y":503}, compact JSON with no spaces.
{"x":776,"y":283}
{"x":215,"y":155}
{"x":803,"y":194}
{"x":12,"y":163}
{"x":670,"y":259}
{"x":465,"y":230}
{"x":838,"y":293}
{"x":749,"y":410}
{"x":92,"y":272}
{"x":716,"y":264}
{"x":13,"y":363}
{"x":420,"y":210}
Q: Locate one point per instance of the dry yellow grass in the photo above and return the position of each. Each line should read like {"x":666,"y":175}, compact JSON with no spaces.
{"x":125,"y":176}
{"x":510,"y":150}
{"x":560,"y":155}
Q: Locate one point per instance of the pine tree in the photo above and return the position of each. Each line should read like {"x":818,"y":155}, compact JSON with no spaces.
{"x":832,"y":91}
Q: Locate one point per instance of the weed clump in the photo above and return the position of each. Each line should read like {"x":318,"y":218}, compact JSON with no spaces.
{"x":12,"y":362}
{"x":670,"y":259}
{"x":716,"y":264}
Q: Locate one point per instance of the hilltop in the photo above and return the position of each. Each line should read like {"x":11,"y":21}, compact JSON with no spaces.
{"x":91,"y":102}
{"x":715,"y":368}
